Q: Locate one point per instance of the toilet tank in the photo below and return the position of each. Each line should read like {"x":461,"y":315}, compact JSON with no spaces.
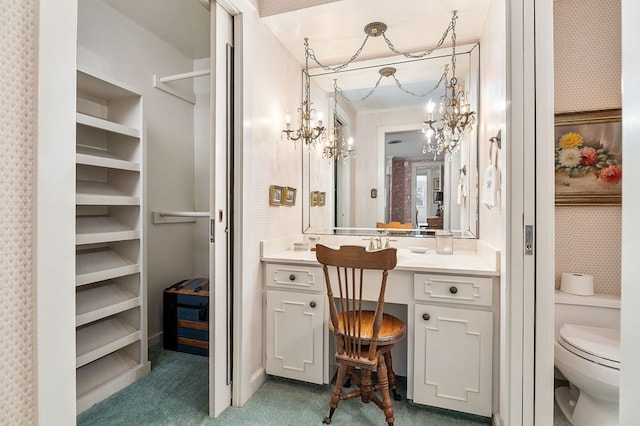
{"x":599,"y":310}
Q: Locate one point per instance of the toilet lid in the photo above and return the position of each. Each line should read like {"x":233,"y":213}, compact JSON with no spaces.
{"x":597,"y":344}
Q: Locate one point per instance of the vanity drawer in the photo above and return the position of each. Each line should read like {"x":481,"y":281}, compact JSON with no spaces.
{"x":453,"y":289}
{"x":294,"y":277}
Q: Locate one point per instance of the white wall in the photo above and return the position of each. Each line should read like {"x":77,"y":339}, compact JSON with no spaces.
{"x":201,"y":162}
{"x":113,"y":45}
{"x":366,"y":167}
{"x":493,"y":104}
{"x":271,"y":82}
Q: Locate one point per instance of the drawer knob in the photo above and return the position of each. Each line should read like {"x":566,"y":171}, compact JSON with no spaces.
{"x":453,"y":289}
{"x":312,"y":304}
{"x":426,"y":317}
{"x":292,"y":277}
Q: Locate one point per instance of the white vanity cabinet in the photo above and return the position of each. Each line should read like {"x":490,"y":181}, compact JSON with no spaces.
{"x":295,"y":322}
{"x":453,"y":342}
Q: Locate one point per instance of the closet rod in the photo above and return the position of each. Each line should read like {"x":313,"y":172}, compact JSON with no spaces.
{"x":184,"y":76}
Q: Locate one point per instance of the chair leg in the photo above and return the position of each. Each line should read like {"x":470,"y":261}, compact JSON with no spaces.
{"x":383,"y":385}
{"x":367,"y":390}
{"x":392,"y":376}
{"x":335,"y":394}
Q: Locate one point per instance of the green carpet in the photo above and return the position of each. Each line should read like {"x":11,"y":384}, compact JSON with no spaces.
{"x":176,"y":393}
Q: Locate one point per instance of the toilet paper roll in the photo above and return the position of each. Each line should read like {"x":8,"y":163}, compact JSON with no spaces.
{"x":578,"y":284}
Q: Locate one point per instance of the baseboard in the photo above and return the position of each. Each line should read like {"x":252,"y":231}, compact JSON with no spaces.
{"x":156,"y":339}
{"x":257,"y":380}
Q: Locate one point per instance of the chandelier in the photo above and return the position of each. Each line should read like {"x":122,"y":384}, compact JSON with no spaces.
{"x":445,"y":135}
{"x":336,"y":146}
{"x":310,"y":128}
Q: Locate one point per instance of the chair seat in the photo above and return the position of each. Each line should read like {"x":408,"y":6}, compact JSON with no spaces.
{"x":391,"y":331}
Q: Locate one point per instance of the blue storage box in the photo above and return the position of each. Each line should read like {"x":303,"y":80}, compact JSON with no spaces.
{"x":186,"y":316}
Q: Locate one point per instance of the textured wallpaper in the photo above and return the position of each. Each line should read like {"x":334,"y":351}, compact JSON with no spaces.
{"x":17,"y":192}
{"x":274,"y":7}
{"x":587,"y":50}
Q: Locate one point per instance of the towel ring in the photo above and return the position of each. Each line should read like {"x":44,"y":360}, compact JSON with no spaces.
{"x":496,"y":140}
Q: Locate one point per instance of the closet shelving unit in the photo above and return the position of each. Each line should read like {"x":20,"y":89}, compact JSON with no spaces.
{"x":111,"y":324}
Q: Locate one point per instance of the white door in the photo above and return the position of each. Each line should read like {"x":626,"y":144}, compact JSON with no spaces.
{"x":220,"y":349}
{"x":452,"y":364}
{"x":295,"y":325}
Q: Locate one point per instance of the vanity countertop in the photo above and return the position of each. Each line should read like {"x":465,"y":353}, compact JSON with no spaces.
{"x":461,"y":262}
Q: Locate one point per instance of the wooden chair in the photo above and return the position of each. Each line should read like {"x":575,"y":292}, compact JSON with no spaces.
{"x":396,"y":227}
{"x":364,"y":338}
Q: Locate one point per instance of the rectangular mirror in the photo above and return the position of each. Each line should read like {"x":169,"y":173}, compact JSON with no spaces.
{"x":392,"y":177}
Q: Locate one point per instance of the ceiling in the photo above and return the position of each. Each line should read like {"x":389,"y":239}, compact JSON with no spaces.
{"x":336,"y":30}
{"x":183,"y":24}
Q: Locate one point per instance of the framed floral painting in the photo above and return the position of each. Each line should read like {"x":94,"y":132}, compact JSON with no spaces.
{"x":588,"y":157}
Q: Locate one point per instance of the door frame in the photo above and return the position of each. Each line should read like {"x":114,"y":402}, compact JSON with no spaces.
{"x":221,"y":223}
{"x":544,"y":213}
{"x":236,"y":9}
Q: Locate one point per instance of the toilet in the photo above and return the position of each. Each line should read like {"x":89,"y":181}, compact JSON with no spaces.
{"x":587,"y":354}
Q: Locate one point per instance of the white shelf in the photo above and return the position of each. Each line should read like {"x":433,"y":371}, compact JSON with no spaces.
{"x":100,"y":265}
{"x":102,"y":338}
{"x":110,"y":301}
{"x":109,"y":126}
{"x":102,"y":158}
{"x":103,"y":301}
{"x":106,"y":376}
{"x":98,"y":193}
{"x":101,"y":371}
{"x":102,"y":85}
{"x":101,"y":229}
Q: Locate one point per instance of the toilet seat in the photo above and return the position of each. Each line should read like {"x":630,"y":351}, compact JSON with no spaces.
{"x":596,"y":344}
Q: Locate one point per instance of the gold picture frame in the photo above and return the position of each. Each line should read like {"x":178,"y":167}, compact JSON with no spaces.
{"x":276,"y":194}
{"x":313,"y":199}
{"x":289,"y":196}
{"x":588,"y":157}
{"x":322,"y":198}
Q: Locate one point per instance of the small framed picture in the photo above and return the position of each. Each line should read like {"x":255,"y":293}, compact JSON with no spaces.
{"x":275,"y":195}
{"x":314,"y":198}
{"x":290,"y":196}
{"x":322,"y":198}
{"x":436,"y":184}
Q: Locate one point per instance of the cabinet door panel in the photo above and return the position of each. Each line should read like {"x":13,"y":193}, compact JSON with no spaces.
{"x":295,"y":326}
{"x":453,"y":349}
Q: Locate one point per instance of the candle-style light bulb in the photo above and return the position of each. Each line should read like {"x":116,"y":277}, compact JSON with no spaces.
{"x":430,"y":107}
